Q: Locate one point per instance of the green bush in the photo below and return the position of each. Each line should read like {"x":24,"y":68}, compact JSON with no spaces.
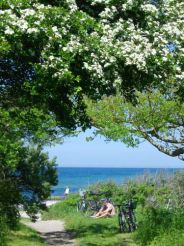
{"x":178,"y":219}
{"x":153,"y":222}
{"x":160,"y":227}
{"x":3,"y":231}
{"x":71,"y":200}
{"x":105,"y":188}
{"x":173,"y":238}
{"x":157,"y":226}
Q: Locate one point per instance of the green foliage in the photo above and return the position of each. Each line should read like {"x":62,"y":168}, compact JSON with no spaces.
{"x":159,"y":213}
{"x":102,"y":189}
{"x":29,"y":184}
{"x":37,"y":174}
{"x":154,"y":222}
{"x":173,"y":238}
{"x":109,"y":189}
{"x":160,"y":227}
{"x":3,"y":230}
{"x":63,"y":209}
{"x":178,"y":189}
{"x":53,"y":53}
{"x":159,"y":224}
{"x":153,"y":116}
{"x":71,"y":200}
{"x":24,"y":236}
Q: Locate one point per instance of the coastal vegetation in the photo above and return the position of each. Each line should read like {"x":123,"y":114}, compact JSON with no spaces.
{"x":86,"y":230}
{"x":159,"y":212}
{"x":56,"y":56}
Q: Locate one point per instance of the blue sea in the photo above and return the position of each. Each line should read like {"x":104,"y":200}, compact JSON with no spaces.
{"x":76,"y":178}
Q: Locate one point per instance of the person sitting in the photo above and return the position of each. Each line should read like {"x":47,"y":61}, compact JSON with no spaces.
{"x":107,"y":209}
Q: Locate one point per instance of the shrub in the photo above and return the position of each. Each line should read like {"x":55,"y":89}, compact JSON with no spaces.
{"x":106,"y":188}
{"x":160,"y":227}
{"x":173,"y":238}
{"x":153,"y":223}
{"x":71,"y":200}
{"x":3,"y":231}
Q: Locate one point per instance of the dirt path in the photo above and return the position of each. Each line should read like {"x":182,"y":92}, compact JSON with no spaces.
{"x":53,"y":232}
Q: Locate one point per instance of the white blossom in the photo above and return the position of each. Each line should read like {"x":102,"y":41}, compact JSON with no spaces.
{"x":54,"y":29}
{"x":28,"y":12}
{"x":72,"y":5}
{"x":9,"y":31}
{"x":150,"y":8}
{"x":32,"y":30}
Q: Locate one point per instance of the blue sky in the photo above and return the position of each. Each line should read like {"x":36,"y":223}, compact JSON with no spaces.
{"x":76,"y":152}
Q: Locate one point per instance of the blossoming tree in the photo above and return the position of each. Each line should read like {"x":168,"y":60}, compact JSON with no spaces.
{"x":142,"y":51}
{"x":145,"y":41}
{"x":53,"y":53}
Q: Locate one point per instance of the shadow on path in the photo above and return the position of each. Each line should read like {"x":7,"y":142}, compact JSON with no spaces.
{"x":57,"y":238}
{"x":53,"y":232}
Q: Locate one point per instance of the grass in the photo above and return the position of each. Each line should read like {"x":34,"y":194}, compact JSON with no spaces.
{"x":89,"y":231}
{"x":24,"y":236}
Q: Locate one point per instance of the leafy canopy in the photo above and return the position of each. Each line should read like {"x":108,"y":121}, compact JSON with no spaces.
{"x":53,"y":53}
{"x":154,"y":118}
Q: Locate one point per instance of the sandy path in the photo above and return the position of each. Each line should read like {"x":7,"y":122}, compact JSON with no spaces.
{"x":53,"y":232}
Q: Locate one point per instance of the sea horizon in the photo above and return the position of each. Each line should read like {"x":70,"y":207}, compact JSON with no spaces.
{"x":82,"y":177}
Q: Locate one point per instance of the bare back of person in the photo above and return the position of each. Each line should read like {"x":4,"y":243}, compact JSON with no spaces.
{"x":106,"y":210}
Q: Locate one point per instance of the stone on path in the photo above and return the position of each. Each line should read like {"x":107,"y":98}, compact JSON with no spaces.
{"x":53,"y":232}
